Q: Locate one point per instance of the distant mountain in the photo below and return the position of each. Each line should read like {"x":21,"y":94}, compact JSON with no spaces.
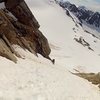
{"x":82,"y":13}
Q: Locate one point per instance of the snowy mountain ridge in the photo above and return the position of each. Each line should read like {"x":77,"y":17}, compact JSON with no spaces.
{"x":86,"y":16}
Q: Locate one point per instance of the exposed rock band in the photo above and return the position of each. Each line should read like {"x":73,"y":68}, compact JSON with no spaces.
{"x":23,"y":14}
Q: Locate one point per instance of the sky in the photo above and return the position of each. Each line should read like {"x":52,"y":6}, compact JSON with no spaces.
{"x":92,"y":4}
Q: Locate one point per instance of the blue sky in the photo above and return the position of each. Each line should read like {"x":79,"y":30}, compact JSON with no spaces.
{"x":91,"y":4}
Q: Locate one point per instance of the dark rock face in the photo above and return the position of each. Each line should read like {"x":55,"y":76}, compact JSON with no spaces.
{"x":73,"y":8}
{"x":95,"y":19}
{"x":23,"y":32}
{"x":83,"y":14}
{"x":69,"y":6}
{"x":22,"y":12}
{"x":11,"y":4}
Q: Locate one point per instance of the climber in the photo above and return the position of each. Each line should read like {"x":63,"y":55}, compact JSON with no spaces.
{"x":22,"y":12}
{"x":52,"y":60}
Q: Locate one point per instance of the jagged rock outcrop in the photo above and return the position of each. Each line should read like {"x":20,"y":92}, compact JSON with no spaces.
{"x":21,"y":11}
{"x":95,"y":19}
{"x":83,"y":42}
{"x":24,"y":31}
{"x":91,"y":77}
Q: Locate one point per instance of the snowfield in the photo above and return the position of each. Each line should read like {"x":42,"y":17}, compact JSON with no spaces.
{"x":35,"y":78}
{"x":58,"y":28}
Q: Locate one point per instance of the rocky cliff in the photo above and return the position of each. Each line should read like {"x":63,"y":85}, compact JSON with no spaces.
{"x":18,"y":26}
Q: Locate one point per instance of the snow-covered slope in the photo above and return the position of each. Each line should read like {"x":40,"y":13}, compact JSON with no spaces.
{"x":59,"y":30}
{"x":35,"y":78}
